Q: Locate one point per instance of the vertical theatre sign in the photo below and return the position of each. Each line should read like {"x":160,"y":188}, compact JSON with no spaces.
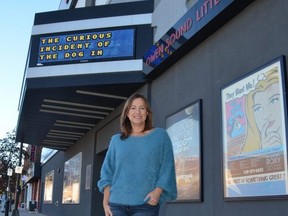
{"x":33,"y":153}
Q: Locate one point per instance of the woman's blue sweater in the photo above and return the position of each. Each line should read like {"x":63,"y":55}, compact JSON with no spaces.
{"x":135,"y":166}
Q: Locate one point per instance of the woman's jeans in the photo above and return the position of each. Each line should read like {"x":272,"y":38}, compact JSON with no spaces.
{"x":139,"y":210}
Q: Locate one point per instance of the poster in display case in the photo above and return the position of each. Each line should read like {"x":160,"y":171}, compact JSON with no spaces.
{"x":184,"y":129}
{"x":254,"y":117}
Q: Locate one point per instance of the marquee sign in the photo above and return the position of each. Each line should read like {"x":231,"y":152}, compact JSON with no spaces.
{"x":86,"y":46}
{"x":185,"y":29}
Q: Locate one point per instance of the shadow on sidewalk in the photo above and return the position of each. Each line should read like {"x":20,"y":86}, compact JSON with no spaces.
{"x":24,"y":212}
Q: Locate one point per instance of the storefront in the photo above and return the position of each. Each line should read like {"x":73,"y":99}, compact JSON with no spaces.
{"x":208,"y":63}
{"x":197,"y":75}
{"x":82,"y":64}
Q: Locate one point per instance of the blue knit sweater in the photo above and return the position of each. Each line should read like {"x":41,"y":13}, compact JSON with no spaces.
{"x":135,"y":166}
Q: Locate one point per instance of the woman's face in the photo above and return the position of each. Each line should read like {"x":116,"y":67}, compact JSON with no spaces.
{"x":137,"y":113}
{"x":267,"y":115}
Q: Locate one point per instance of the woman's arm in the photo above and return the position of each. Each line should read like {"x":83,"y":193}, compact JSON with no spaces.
{"x":106,"y":206}
{"x":154,"y":196}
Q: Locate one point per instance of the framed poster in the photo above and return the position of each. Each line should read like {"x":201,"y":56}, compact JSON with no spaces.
{"x":254,"y":134}
{"x":72,"y":180}
{"x":184,"y":130}
{"x":48,"y":187}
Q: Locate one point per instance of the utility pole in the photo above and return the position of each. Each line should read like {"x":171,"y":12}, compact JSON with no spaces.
{"x":15,"y":211}
{"x":9,"y":174}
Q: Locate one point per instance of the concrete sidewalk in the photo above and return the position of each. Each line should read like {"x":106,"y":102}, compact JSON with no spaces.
{"x":24,"y":212}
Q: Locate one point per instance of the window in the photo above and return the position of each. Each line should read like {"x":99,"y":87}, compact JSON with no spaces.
{"x":48,"y":188}
{"x":71,"y":182}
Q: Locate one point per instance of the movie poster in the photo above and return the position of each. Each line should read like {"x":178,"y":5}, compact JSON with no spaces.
{"x":254,"y":134}
{"x":184,"y":131}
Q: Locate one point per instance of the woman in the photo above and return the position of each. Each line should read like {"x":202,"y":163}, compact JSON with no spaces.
{"x":138,"y":172}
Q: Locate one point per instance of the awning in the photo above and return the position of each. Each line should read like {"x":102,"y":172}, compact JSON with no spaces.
{"x":63,"y":97}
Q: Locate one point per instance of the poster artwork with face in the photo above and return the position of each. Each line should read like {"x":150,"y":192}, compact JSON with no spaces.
{"x":254,"y":134}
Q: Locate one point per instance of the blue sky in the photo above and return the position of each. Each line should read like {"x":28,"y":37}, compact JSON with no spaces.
{"x":16,"y":25}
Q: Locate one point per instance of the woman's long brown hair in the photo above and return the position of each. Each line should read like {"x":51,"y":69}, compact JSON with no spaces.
{"x":125,"y":124}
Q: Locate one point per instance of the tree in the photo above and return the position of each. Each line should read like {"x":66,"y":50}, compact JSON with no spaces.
{"x":9,"y":157}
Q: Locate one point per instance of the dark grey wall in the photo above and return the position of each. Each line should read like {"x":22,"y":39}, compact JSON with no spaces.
{"x":253,"y":38}
{"x":104,"y":135}
{"x":86,"y":146}
{"x":53,"y":164}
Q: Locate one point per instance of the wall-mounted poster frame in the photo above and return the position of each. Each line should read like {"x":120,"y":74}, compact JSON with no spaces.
{"x":184,"y":129}
{"x":254,"y":131}
{"x":72,"y":180}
